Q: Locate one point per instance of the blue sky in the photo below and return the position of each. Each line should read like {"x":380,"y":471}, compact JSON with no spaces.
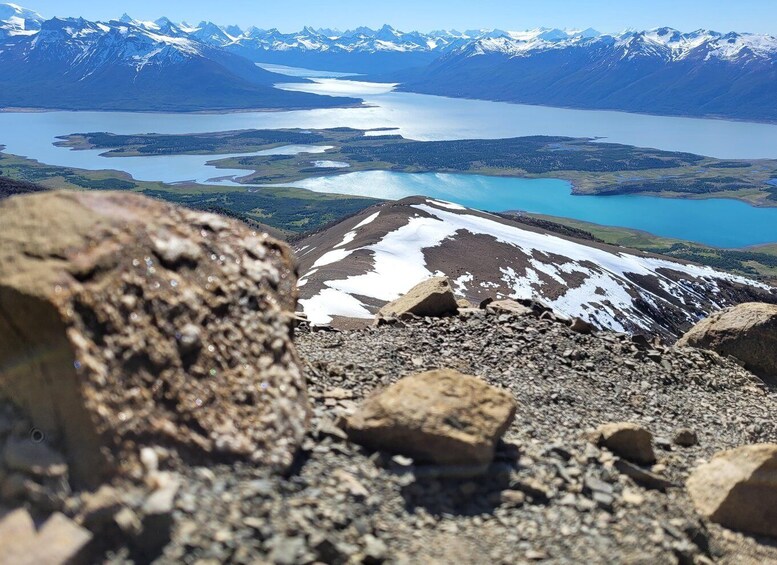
{"x":288,"y":15}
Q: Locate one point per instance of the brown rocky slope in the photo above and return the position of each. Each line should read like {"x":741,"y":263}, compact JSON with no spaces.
{"x":354,"y":268}
{"x":601,"y":431}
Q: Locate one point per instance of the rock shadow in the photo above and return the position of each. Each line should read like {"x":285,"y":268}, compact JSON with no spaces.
{"x":447,"y":490}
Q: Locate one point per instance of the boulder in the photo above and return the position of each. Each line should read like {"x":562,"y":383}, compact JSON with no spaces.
{"x":509,"y":307}
{"x":738,"y":489}
{"x":630,"y":441}
{"x":126,"y":321}
{"x":442,"y":417}
{"x":433,"y":297}
{"x":747,"y":332}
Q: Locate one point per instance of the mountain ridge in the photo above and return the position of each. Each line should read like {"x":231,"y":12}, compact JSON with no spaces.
{"x":352,"y":269}
{"x":75,"y":64}
{"x":662,"y":71}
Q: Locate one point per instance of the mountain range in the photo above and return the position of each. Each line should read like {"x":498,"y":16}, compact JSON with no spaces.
{"x":161,"y":65}
{"x":76,"y":64}
{"x":355,"y":267}
{"x":662,"y":71}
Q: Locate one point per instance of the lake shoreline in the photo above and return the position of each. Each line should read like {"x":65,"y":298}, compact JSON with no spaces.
{"x":589,"y":109}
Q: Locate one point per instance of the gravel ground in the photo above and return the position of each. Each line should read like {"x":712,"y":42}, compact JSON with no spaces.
{"x":550,"y":496}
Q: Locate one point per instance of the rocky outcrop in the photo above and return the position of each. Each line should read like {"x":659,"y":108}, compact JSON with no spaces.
{"x":747,"y":332}
{"x":432,"y":297}
{"x":441,"y":417}
{"x":127,"y":322}
{"x":738,"y":489}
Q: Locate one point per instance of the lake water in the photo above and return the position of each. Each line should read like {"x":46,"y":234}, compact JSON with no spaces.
{"x":425,"y":117}
{"x":718,"y":222}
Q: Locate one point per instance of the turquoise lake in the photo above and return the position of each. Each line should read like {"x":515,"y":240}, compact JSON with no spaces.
{"x":717,"y":222}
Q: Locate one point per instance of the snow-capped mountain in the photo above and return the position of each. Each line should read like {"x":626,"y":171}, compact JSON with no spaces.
{"x":662,"y":71}
{"x":15,"y":20}
{"x":130,"y":65}
{"x":361,"y":50}
{"x":666,"y":43}
{"x":355,"y":267}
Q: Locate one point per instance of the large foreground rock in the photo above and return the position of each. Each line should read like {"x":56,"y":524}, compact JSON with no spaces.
{"x":433,"y":297}
{"x":441,"y":417}
{"x":125,"y":321}
{"x":738,"y":489}
{"x":747,"y":332}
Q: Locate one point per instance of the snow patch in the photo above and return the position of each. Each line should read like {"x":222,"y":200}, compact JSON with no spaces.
{"x":328,"y":303}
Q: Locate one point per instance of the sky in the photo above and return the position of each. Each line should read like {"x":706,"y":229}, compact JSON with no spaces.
{"x":758,"y":16}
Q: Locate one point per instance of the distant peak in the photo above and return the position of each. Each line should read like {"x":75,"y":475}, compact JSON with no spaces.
{"x":8,"y":11}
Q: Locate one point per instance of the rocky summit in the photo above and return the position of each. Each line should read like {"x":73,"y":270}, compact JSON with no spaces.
{"x":157,"y":404}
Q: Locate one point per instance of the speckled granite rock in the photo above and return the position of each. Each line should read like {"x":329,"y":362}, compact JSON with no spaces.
{"x":125,"y":322}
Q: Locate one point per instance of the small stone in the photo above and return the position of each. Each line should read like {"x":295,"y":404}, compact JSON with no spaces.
{"x":287,"y":551}
{"x":632,"y":497}
{"x":190,"y":338}
{"x":536,"y":555}
{"x":513,"y":498}
{"x":533,"y":488}
{"x":663,"y":443}
{"x":255,"y":523}
{"x":511,"y":307}
{"x":643,"y":477}
{"x":37,"y":459}
{"x":162,"y":499}
{"x":603,"y":500}
{"x":402,"y":461}
{"x":351,"y":484}
{"x":328,"y":428}
{"x":100,"y":507}
{"x":149,"y":459}
{"x":597,"y":485}
{"x":582,"y":326}
{"x":338,"y":394}
{"x":128,"y":522}
{"x":630,"y":441}
{"x":685,"y":437}
{"x":375,"y":550}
